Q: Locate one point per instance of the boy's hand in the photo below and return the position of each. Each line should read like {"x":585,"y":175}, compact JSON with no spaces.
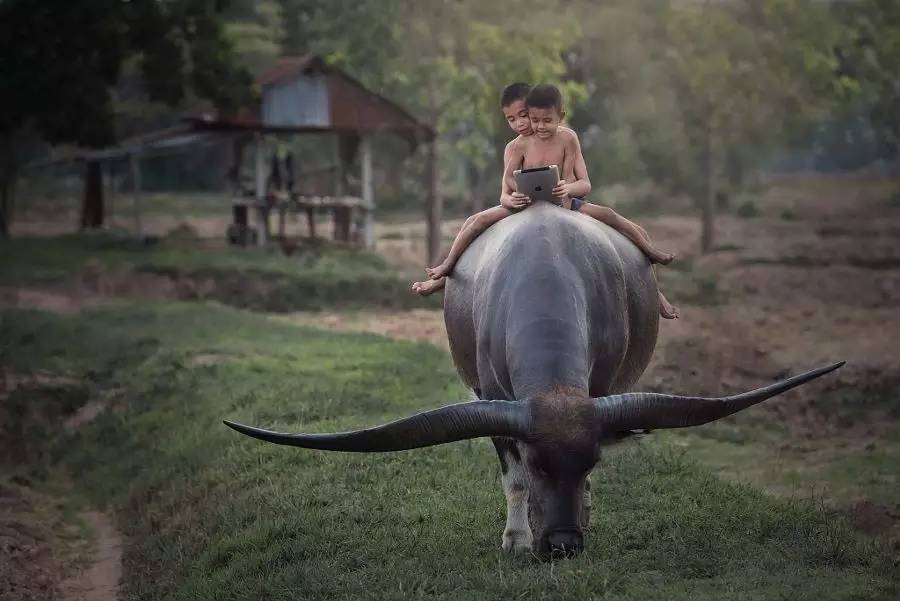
{"x":515,"y":201}
{"x":561,"y":190}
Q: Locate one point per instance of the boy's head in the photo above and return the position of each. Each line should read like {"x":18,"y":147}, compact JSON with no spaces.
{"x":544,"y":105}
{"x":512,"y":103}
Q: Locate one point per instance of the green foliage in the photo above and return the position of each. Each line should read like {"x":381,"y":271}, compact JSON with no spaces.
{"x":60,"y":79}
{"x":256,"y":29}
{"x":869,"y":61}
{"x":210,"y":514}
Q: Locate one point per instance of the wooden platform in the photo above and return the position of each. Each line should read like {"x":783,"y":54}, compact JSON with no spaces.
{"x":342,"y":208}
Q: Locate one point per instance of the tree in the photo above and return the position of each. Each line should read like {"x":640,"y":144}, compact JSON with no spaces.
{"x":869,"y":56}
{"x":695,"y":95}
{"x":748,"y":75}
{"x":257,"y":31}
{"x":58,"y":82}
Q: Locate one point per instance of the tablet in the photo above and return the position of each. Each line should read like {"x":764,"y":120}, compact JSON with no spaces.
{"x":537,"y":183}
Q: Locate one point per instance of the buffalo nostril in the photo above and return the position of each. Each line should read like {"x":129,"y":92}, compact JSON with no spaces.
{"x":564,"y":543}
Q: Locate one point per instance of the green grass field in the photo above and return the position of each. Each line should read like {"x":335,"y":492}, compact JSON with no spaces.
{"x":209,"y":514}
{"x":317,"y":276}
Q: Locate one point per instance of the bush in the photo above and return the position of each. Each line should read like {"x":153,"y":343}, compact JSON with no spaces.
{"x":747,"y":209}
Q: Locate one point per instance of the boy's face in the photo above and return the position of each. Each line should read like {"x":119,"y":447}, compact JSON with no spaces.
{"x":545,"y":121}
{"x":516,"y":115}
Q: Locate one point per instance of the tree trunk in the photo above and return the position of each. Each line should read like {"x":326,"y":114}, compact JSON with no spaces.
{"x":435,"y":204}
{"x":709,"y":195}
{"x":92,"y":201}
{"x":7,"y":185}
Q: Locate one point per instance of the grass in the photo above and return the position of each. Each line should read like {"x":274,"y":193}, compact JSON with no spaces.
{"x":800,"y":261}
{"x":213,"y":515}
{"x":765,"y":455}
{"x":318,"y":276}
{"x":184,"y":203}
{"x":684,"y":284}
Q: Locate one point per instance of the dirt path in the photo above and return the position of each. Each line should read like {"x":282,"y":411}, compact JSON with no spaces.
{"x":419,"y":325}
{"x":100,"y":580}
{"x":64,"y":302}
{"x":44,"y":556}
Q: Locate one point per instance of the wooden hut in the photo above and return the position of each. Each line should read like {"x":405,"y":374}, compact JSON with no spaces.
{"x":302,"y":95}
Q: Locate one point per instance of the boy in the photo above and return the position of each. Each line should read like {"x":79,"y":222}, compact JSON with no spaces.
{"x":535,"y":115}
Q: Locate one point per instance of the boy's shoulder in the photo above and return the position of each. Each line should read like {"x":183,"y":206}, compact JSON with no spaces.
{"x":517,"y":143}
{"x":567,"y":133}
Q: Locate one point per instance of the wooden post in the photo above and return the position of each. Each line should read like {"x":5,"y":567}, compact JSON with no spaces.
{"x":311,"y":221}
{"x":368,"y":193}
{"x":338,"y":167}
{"x":110,"y":191}
{"x":262,"y":211}
{"x":707,"y":223}
{"x":435,"y":204}
{"x":136,"y":193}
{"x":282,"y":215}
{"x":92,"y":201}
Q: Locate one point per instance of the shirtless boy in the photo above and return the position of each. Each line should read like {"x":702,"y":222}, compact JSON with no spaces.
{"x":536,"y":115}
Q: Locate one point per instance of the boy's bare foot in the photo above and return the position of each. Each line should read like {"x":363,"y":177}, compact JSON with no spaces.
{"x":428,"y":286}
{"x":658,"y":256}
{"x":666,"y":309}
{"x":439,"y":271}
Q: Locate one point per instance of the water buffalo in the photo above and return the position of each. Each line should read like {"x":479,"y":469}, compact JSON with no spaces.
{"x":552,"y":316}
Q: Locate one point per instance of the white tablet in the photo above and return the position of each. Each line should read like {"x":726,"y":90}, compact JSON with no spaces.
{"x":538,"y":183}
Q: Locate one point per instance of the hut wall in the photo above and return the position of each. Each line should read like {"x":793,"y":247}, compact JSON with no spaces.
{"x":297,"y":102}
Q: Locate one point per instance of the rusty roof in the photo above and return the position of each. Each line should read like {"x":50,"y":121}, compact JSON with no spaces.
{"x":288,"y":66}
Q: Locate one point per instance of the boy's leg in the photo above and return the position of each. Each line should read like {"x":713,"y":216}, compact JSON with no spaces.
{"x":629,"y":229}
{"x":666,"y":309}
{"x":473,"y":226}
{"x":428,"y":286}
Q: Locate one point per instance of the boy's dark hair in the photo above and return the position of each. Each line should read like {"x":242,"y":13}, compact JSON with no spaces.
{"x":513,"y":92}
{"x":544,"y":96}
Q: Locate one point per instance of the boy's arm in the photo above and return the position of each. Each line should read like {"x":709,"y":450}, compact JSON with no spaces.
{"x":508,"y":185}
{"x":513,"y":155}
{"x":582,"y":185}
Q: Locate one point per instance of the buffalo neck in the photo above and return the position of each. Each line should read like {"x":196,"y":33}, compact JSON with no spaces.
{"x":546,"y":335}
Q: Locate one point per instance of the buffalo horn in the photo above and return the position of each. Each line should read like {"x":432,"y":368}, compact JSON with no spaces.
{"x":447,"y":424}
{"x":648,"y":411}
